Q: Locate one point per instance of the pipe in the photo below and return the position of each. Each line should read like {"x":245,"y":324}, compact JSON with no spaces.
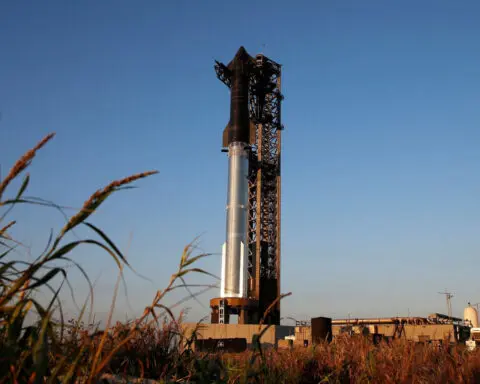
{"x":381,"y":320}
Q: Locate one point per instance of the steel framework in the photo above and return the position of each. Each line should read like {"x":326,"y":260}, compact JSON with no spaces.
{"x":264,"y":215}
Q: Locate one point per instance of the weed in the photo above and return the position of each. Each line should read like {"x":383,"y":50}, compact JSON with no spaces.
{"x":53,"y":349}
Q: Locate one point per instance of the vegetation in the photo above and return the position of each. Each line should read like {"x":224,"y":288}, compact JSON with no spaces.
{"x":52,"y":349}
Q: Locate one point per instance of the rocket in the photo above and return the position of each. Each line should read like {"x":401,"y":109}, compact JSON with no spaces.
{"x":237,"y":136}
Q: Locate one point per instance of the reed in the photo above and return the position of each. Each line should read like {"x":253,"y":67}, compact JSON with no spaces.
{"x":58,"y":350}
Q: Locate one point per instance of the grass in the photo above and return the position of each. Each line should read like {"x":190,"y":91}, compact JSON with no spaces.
{"x":358,"y":360}
{"x":53,"y":349}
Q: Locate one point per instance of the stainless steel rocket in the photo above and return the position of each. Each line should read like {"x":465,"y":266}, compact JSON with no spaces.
{"x":238,"y":134}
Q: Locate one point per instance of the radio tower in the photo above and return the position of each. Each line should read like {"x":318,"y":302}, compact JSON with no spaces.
{"x":448,"y":296}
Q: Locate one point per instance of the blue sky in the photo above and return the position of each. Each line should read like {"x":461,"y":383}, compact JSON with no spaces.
{"x":381,"y":159}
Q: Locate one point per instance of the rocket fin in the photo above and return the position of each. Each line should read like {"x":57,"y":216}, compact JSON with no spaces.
{"x":225,"y":136}
{"x":253,"y":133}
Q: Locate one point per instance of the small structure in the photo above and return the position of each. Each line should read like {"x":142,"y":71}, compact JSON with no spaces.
{"x":321,"y":329}
{"x":434,"y":328}
{"x":470,"y":315}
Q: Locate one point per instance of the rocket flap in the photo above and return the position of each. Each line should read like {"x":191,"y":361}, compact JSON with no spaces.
{"x":225,"y":136}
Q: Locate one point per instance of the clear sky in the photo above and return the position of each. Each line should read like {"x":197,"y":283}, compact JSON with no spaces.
{"x":381,"y":151}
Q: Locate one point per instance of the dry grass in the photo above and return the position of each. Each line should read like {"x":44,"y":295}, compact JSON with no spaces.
{"x":54,"y":350}
{"x":23,"y":163}
{"x":357,"y":360}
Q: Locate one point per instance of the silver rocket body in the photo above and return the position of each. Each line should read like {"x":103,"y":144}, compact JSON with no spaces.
{"x":237,"y":135}
{"x":234,"y":252}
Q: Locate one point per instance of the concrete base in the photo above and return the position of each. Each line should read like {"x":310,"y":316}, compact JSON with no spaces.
{"x":229,"y":331}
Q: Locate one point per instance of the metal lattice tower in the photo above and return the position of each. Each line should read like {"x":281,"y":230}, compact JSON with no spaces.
{"x":265,"y":187}
{"x":448,"y":297}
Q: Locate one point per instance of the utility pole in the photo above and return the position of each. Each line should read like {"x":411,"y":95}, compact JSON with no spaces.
{"x":448,"y":296}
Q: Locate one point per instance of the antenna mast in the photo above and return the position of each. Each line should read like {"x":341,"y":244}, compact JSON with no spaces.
{"x":448,"y":296}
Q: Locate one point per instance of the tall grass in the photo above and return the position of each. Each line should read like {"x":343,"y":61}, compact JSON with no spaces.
{"x":53,"y":349}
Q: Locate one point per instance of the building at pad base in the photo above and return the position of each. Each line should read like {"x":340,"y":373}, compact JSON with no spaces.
{"x":436,"y":328}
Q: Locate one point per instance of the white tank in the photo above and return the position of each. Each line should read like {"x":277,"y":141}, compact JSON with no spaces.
{"x":470,"y":314}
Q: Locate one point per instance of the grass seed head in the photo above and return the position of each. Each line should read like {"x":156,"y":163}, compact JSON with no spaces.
{"x":23,"y":162}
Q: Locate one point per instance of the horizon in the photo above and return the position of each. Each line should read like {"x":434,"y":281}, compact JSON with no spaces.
{"x":380,"y":162}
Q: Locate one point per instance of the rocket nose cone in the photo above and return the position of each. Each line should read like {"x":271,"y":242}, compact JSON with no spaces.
{"x":241,"y":50}
{"x":241,"y":53}
{"x":241,"y":57}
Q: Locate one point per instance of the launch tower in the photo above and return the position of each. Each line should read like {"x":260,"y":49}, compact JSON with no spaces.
{"x":250,"y":281}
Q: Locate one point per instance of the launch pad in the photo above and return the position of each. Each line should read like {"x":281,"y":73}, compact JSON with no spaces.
{"x":246,"y":309}
{"x":250,"y":281}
